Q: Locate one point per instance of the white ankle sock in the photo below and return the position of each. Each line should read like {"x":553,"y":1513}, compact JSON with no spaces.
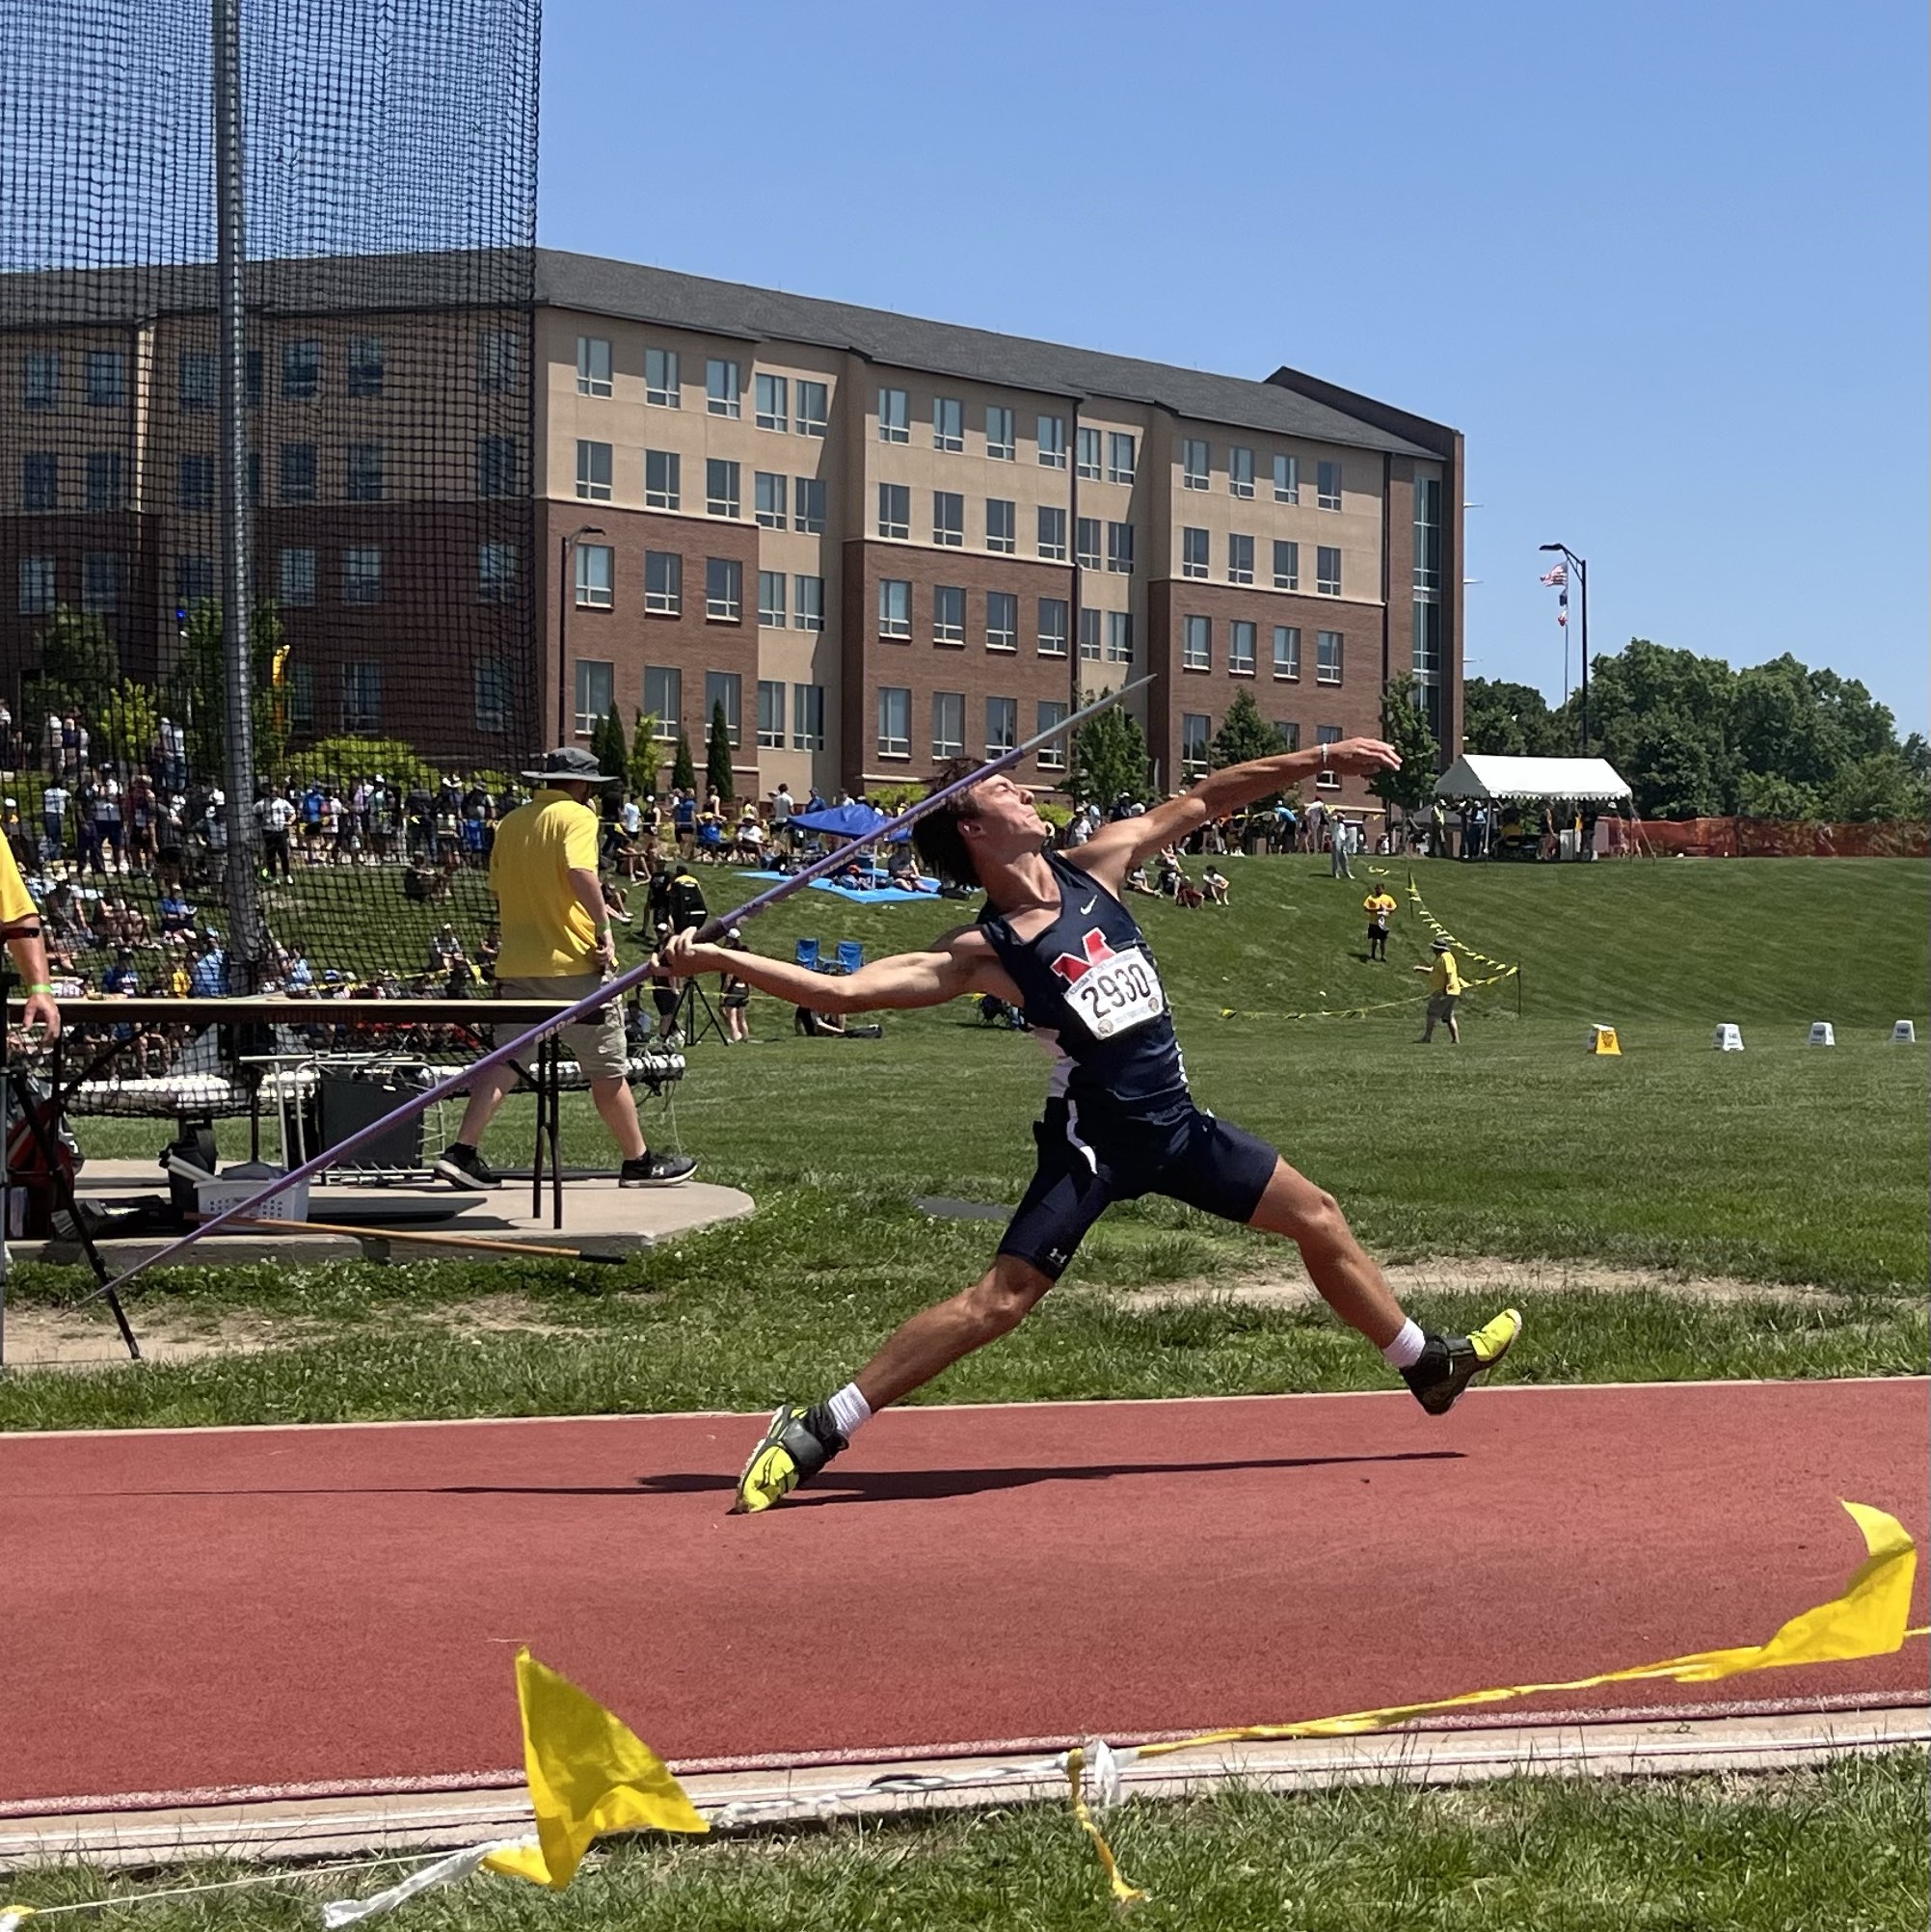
{"x":1404,"y":1351}
{"x":850,"y":1411}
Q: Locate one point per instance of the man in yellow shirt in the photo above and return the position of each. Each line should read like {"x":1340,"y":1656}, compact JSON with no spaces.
{"x":21,"y":927}
{"x":1444,"y":989}
{"x":557,"y":944}
{"x":1379,"y":905}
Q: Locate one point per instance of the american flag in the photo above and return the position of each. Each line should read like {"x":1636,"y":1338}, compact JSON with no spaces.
{"x":1558,"y":575}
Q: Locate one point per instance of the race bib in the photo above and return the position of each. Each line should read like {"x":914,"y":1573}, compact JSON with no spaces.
{"x":1117,"y":996}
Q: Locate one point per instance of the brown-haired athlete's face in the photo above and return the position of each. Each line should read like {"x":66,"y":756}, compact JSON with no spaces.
{"x":1005,"y":817}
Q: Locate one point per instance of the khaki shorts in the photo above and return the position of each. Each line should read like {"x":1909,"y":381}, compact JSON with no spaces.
{"x":597,"y":1044}
{"x":1441,"y":1005}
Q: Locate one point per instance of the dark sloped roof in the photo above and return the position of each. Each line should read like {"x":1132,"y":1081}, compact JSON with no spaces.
{"x":600,"y":287}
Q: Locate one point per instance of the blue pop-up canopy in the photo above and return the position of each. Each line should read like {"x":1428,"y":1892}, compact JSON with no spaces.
{"x":841,"y":821}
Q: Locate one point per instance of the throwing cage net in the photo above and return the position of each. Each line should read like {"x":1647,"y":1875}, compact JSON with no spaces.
{"x":385,"y":396}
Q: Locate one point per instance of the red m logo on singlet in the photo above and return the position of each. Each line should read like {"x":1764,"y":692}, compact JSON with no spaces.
{"x":1071,"y":967}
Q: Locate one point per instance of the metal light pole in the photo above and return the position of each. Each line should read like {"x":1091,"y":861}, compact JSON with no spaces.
{"x":1581,"y":568}
{"x":565,"y":588}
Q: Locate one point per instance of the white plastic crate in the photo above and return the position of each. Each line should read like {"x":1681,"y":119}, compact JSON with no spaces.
{"x":217,"y":1196}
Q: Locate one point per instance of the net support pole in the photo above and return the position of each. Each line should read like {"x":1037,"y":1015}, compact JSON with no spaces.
{"x":245,"y":942}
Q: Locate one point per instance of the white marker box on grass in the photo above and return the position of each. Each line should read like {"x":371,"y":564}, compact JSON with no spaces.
{"x":1821,"y":1033}
{"x":1904,"y":1034}
{"x":1729,"y":1038}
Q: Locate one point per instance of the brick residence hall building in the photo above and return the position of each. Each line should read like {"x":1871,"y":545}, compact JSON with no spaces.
{"x":878,"y":541}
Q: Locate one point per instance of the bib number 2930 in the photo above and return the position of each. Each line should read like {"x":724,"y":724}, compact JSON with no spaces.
{"x":1123,"y":993}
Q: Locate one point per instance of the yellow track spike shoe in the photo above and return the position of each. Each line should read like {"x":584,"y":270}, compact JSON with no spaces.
{"x":799,"y":1443}
{"x":1449,"y":1364}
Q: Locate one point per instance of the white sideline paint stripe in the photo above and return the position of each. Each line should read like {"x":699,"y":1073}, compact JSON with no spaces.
{"x":1513,"y":1388}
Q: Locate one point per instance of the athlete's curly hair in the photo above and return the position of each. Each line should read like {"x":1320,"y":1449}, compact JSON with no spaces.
{"x":936,"y":838}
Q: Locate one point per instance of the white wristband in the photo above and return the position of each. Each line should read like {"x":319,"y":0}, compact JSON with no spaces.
{"x":1324,"y":754}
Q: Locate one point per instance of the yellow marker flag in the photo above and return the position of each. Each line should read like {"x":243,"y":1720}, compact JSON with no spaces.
{"x":589,"y":1773}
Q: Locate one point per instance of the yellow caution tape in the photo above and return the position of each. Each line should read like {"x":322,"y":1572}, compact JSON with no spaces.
{"x":1124,"y":1891}
{"x":1361,"y":1012}
{"x":1440,"y":931}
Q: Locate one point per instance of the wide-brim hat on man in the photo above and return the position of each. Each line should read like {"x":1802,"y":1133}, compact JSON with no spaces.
{"x":1440,"y":946}
{"x":571,"y":763}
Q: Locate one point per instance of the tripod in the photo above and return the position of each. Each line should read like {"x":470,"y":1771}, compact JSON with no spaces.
{"x":684,"y":1015}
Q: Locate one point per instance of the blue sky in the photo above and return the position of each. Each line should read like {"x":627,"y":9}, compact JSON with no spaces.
{"x":1664,"y":266}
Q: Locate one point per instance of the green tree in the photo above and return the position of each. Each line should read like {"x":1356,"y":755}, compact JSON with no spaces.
{"x":131,"y":722}
{"x":1245,"y":735}
{"x":613,"y":755}
{"x":197,"y":688}
{"x":1770,"y":794}
{"x":683,"y":767}
{"x":80,"y":664}
{"x":717,"y":755}
{"x":1108,"y":757}
{"x":1505,"y":720}
{"x":1880,"y":786}
{"x":645,"y":758}
{"x":1404,"y":726}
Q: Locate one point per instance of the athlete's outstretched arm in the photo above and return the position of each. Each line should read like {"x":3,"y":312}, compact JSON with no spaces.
{"x":959,"y":962}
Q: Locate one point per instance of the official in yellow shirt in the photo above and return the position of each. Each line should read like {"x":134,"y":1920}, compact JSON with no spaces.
{"x":21,"y":927}
{"x":557,"y":944}
{"x":1379,"y":905}
{"x":1444,"y":989}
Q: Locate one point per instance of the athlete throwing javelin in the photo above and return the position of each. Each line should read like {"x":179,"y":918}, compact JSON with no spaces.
{"x":1053,"y":939}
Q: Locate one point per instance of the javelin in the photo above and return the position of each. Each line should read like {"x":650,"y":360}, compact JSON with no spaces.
{"x":456,"y":1081}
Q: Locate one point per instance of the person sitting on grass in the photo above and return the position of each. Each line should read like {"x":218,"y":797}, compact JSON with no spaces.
{"x":902,"y":868}
{"x":1214,"y":884}
{"x":1137,"y":881}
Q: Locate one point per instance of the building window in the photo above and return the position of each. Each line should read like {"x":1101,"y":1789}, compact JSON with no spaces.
{"x":1052,"y":431}
{"x":1053,"y":754}
{"x":1286,"y":565}
{"x":1087,"y":454}
{"x":298,"y":473}
{"x":198,"y":377}
{"x":596,"y":576}
{"x":1086,"y":543}
{"x":661,"y":379}
{"x":40,"y":480}
{"x":36,"y":586}
{"x":193,"y":581}
{"x":774,"y":402}
{"x":1290,"y":733}
{"x":107,"y":378}
{"x":1196,"y":459}
{"x":1287,"y":650}
{"x":721,"y":497}
{"x":1000,"y":433}
{"x":1002,"y":621}
{"x":500,"y":362}
{"x":301,"y":371}
{"x":1287,"y":479}
{"x":807,"y":717}
{"x":1241,"y":647}
{"x":1196,"y":644}
{"x":1001,"y":725}
{"x":1119,"y":548}
{"x":770,"y":714}
{"x":1053,"y":613}
{"x":1052,"y":533}
{"x":254,"y":479}
{"x":301,"y":697}
{"x":948,"y":724}
{"x":593,"y":365}
{"x":894,"y":607}
{"x":1089,"y":635}
{"x":948,"y":614}
{"x":100,"y":582}
{"x":808,"y":506}
{"x":894,"y":416}
{"x":808,"y":602}
{"x":895,"y":721}
{"x":361,"y":573}
{"x":363,"y":472}
{"x":664,"y":477}
{"x":1328,"y":486}
{"x":1328,"y":656}
{"x":41,"y":380}
{"x":772,"y":599}
{"x":726,"y":688}
{"x":895,"y":510}
{"x":495,"y":573}
{"x":491,"y":691}
{"x":1192,"y":553}
{"x":593,"y":471}
{"x":769,"y":492}
{"x":948,"y":423}
{"x":1002,"y":525}
{"x":1428,"y":533}
{"x":103,"y":474}
{"x":1119,"y":457}
{"x":1240,"y":559}
{"x":948,"y":518}
{"x":194,"y":484}
{"x":1120,"y":637}
{"x":1327,"y":780}
{"x":367,"y":372}
{"x":814,"y":407}
{"x":720,"y":387}
{"x":1240,"y":472}
{"x":362,"y":699}
{"x":1328,"y":570}
{"x":498,"y":465}
{"x":664,"y":583}
{"x":596,"y":691}
{"x":663,"y":700}
{"x":295,"y":578}
{"x":723,"y":590}
{"x":1195,"y":730}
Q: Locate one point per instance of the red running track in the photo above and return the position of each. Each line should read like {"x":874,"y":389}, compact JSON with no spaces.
{"x":322,"y":1606}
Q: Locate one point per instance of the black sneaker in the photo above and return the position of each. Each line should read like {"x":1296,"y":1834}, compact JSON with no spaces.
{"x":657,"y":1171}
{"x":1449,"y":1364}
{"x":464,"y":1168}
{"x":797,"y":1443}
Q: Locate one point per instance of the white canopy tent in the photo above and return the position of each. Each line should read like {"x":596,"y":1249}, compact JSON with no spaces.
{"x":1588,"y":781}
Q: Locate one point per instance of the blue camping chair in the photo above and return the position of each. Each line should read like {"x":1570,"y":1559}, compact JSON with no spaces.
{"x":807,"y":954}
{"x":850,"y":955}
